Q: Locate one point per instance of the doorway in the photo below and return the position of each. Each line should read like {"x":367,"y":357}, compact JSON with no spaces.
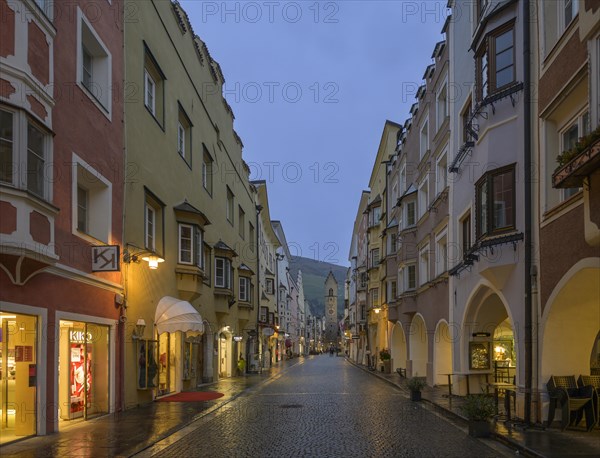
{"x":18,"y":376}
{"x":83,"y":371}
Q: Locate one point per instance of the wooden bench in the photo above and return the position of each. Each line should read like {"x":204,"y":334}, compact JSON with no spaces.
{"x":564,"y":392}
{"x":401,"y":372}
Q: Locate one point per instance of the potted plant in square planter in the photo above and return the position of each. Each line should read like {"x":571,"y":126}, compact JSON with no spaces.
{"x":415,"y":385}
{"x":386,"y":359}
{"x":479,"y":409}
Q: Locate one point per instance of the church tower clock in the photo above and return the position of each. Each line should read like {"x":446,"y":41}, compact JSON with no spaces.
{"x":331,"y":318}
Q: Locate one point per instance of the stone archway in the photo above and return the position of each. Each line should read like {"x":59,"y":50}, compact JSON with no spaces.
{"x":571,"y":324}
{"x":398,"y":347}
{"x":442,"y":353}
{"x":489,"y":342}
{"x":418,"y":347}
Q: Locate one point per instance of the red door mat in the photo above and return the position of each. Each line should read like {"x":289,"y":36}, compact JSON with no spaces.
{"x":192,"y":396}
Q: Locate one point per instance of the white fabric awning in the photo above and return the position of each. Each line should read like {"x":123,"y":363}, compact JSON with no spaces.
{"x":174,"y":315}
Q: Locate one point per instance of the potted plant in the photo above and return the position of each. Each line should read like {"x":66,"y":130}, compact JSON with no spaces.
{"x":479,"y":409}
{"x":386,"y":359}
{"x":415,"y":385}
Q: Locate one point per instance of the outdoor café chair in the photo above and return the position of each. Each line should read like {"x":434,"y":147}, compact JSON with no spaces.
{"x":564,"y":392}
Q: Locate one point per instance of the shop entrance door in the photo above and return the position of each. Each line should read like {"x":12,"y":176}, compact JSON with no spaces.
{"x":167,"y":365}
{"x":18,"y":376}
{"x":83,"y":371}
{"x":224,"y":363}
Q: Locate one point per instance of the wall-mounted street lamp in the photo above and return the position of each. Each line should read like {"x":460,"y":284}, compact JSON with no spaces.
{"x":153,"y":261}
{"x":377,"y":309}
{"x":140,"y":327}
{"x":134,"y":255}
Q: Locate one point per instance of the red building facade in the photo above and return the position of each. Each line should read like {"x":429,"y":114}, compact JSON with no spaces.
{"x":61,"y":194}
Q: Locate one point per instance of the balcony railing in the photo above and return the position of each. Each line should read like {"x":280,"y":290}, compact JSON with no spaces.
{"x":572,"y":174}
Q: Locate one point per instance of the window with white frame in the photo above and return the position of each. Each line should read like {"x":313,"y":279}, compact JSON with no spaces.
{"x":251,"y":236}
{"x":184,"y":136}
{"x":393,"y":243}
{"x":375,"y":297}
{"x":424,"y":139}
{"x":206,"y":262}
{"x":229,"y":207}
{"x":423,"y":197}
{"x":364,"y":279}
{"x":481,"y":6}
{"x":270,"y":286}
{"x":567,"y":10}
{"x":153,"y":223}
{"x":424,"y":265}
{"x":375,"y":216}
{"x":94,"y":72}
{"x":25,"y":151}
{"x":154,"y":84}
{"x":375,"y":257}
{"x":222,"y":273}
{"x":150,"y":224}
{"x":190,"y":245}
{"x":82,"y":209}
{"x":36,"y":159}
{"x":465,"y":232}
{"x":149,"y":92}
{"x":392,"y":290}
{"x":92,"y":202}
{"x":244,"y":290}
{"x":411,"y":213}
{"x":403,"y":186}
{"x":395,"y":190}
{"x":45,"y":6}
{"x":207,"y":171}
{"x":441,"y":173}
{"x":241,"y":223}
{"x":442,"y":105}
{"x":441,"y":252}
{"x":8,"y":150}
{"x":465,"y":118}
{"x":569,"y":136}
{"x":411,"y":277}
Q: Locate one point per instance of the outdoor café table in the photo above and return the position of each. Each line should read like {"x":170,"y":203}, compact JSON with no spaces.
{"x":449,"y":375}
{"x":509,"y":389}
{"x":468,"y":376}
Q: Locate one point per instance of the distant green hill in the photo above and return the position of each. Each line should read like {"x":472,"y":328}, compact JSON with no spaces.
{"x":314,"y":274}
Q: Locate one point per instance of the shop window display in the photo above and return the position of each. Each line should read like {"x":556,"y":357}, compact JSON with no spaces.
{"x":83,"y":370}
{"x":18,"y":376}
{"x":147,"y":366}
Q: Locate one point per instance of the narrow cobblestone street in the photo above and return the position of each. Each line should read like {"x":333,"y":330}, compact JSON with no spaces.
{"x":323,"y":407}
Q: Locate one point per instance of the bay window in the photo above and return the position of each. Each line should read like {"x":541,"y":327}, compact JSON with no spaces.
{"x":244,"y":290}
{"x":24,"y":143}
{"x":190,"y":245}
{"x":496,"y":201}
{"x":222,"y":273}
{"x":496,"y":61}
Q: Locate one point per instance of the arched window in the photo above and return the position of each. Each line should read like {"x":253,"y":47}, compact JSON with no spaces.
{"x":331,"y":291}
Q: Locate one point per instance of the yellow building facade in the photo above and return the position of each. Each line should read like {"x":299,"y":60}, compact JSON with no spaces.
{"x":190,"y":253}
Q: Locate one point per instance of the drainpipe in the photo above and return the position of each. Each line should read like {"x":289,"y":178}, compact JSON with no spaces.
{"x":528,"y":217}
{"x":122,"y":335}
{"x":258,"y":333}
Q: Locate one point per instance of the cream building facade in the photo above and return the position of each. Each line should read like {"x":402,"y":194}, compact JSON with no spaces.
{"x":190,"y":212}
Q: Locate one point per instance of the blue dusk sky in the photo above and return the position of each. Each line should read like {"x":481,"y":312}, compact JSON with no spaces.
{"x":311,"y":85}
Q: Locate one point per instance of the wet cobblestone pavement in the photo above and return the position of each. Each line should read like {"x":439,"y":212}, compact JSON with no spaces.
{"x":126,"y":433}
{"x":324,"y":407}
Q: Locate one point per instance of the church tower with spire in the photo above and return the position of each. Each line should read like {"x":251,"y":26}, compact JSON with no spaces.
{"x":331,"y":317}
